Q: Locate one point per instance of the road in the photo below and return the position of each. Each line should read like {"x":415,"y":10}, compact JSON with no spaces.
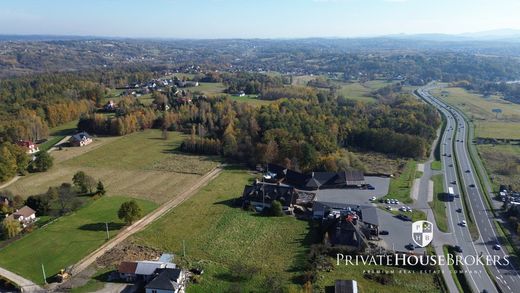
{"x":24,"y":284}
{"x":454,"y":144}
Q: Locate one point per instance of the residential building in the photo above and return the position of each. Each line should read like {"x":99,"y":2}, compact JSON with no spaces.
{"x":80,"y":139}
{"x":262,"y":194}
{"x":25,"y":216}
{"x":29,"y":146}
{"x":167,"y":281}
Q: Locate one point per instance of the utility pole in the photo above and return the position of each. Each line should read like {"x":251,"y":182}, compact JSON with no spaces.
{"x":108,"y":234}
{"x":183,"y":248}
{"x":44,"y":276}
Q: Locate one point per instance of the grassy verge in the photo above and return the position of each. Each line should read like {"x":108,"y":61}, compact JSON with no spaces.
{"x":502,"y":231}
{"x":67,"y":240}
{"x":438,"y":206}
{"x":400,"y":281}
{"x":460,"y":279}
{"x":400,"y":187}
{"x":436,"y":165}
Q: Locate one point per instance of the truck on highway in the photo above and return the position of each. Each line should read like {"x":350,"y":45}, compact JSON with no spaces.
{"x":450,"y":196}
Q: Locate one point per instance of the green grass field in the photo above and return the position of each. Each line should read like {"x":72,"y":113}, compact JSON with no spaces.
{"x":438,"y":206}
{"x":251,"y":99}
{"x":67,"y":240}
{"x":478,"y":109}
{"x":219,"y":235}
{"x":140,"y":165}
{"x":58,"y":133}
{"x":436,"y":165}
{"x":400,"y":186}
{"x":402,"y":280}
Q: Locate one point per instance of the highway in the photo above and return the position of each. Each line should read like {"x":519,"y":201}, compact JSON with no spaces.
{"x":454,"y":146}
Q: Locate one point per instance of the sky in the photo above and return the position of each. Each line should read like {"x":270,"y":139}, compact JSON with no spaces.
{"x":255,"y":18}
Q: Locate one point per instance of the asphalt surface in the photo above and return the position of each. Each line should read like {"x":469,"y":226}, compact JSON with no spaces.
{"x":506,"y":277}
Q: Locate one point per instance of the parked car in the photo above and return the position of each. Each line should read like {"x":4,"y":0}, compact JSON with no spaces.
{"x":410,"y":246}
{"x":458,"y":249}
{"x":497,"y":247}
{"x":404,"y":217}
{"x":373,"y":198}
{"x":370,"y":187}
{"x":383,"y":232}
{"x":389,"y":208}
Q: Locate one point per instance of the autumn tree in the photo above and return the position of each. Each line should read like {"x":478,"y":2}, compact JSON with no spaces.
{"x":11,"y":228}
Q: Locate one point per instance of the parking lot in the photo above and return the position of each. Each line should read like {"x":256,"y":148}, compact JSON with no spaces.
{"x":356,"y":196}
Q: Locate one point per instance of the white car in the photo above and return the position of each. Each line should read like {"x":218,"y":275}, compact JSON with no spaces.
{"x":396,"y":201}
{"x":408,"y":209}
{"x":373,"y":198}
{"x":463,"y":223}
{"x":389,"y":208}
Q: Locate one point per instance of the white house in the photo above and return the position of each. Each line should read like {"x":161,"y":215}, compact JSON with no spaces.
{"x":25,"y":216}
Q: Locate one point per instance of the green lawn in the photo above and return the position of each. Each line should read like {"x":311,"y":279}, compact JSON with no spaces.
{"x":402,"y":281}
{"x":438,"y":206}
{"x":400,"y":186}
{"x":58,"y":133}
{"x":219,"y":235}
{"x":67,"y":240}
{"x":250,"y":99}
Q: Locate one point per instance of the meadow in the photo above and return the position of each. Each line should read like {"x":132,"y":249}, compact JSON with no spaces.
{"x":66,"y":240}
{"x":140,"y":165}
{"x":479,"y":109}
{"x":218,"y":236}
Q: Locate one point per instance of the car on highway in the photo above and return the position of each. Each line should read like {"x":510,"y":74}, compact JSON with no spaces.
{"x":458,"y":249}
{"x":459,"y":210}
{"x":451,"y":165}
{"x":472,"y":185}
{"x":453,"y":182}
{"x":410,"y":246}
{"x":497,"y":247}
{"x":468,"y":171}
{"x":463,"y":223}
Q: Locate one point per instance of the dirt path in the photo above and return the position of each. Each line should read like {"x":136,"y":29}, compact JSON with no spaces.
{"x":142,"y":223}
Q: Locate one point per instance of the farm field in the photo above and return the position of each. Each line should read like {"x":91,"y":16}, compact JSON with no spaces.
{"x":479,"y":110}
{"x":501,"y":161}
{"x":140,"y":165}
{"x":219,"y":236}
{"x":65,"y":241}
{"x":400,"y":281}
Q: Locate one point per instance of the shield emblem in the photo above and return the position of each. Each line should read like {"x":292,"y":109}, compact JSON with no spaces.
{"x":422,"y":233}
